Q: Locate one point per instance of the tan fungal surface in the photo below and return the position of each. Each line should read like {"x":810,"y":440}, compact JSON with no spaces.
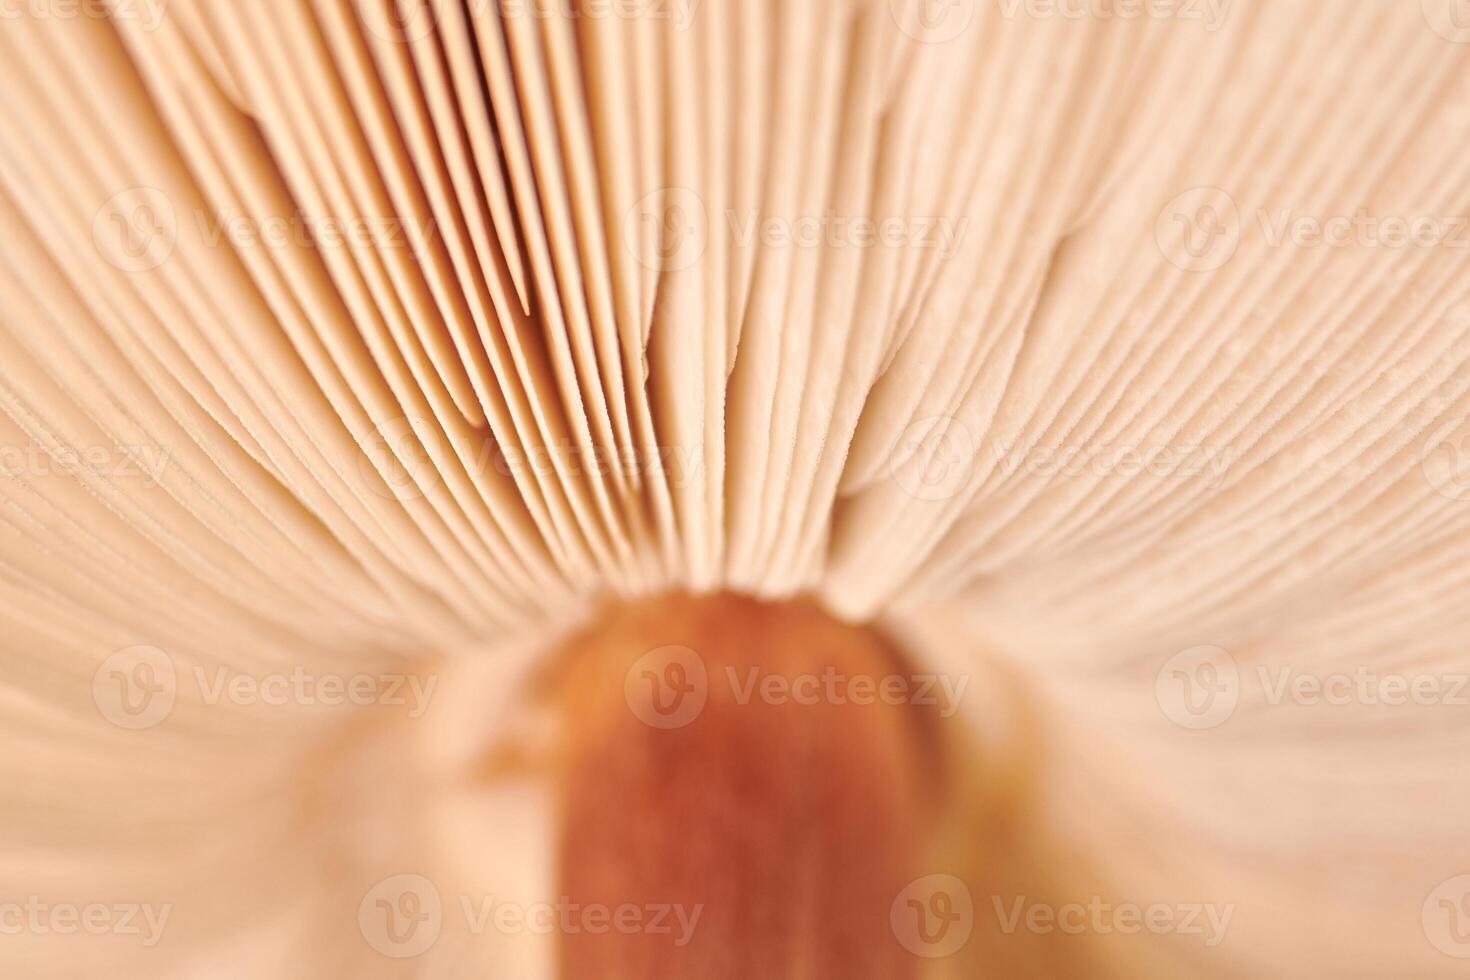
{"x":377,"y":375}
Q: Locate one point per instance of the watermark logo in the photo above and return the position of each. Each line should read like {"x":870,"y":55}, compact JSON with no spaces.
{"x":564,"y":916}
{"x":933,"y":458}
{"x":136,"y":688}
{"x":1444,"y":458}
{"x":396,"y":460}
{"x":1209,"y":14}
{"x":933,"y":21}
{"x":1202,"y":229}
{"x":1201,"y":687}
{"x":670,"y":686}
{"x":136,"y":230}
{"x":934,"y":916}
{"x":399,"y":21}
{"x":679,"y":466}
{"x":306,"y":689}
{"x":1199,"y":231}
{"x":40,"y":918}
{"x":1362,"y":229}
{"x":1098,"y":916}
{"x":1446,"y":917}
{"x":1208,"y":464}
{"x":670,"y":230}
{"x":1450,"y":19}
{"x":298,"y":229}
{"x":401,"y":916}
{"x":831,"y":230}
{"x":1198,"y":688}
{"x":679,"y":14}
{"x":147,"y":13}
{"x":1363,"y":687}
{"x":832,"y":687}
{"x":667,"y":687}
{"x":667,"y":230}
{"x":145,"y":464}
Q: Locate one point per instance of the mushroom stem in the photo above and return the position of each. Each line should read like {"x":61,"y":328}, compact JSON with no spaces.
{"x":741,"y":795}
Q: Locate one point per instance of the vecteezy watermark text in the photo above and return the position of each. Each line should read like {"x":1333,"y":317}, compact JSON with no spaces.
{"x":1103,"y":459}
{"x":137,"y":688}
{"x":1203,"y":228}
{"x":670,"y":230}
{"x":1201,"y":687}
{"x":112,"y":462}
{"x":408,"y":21}
{"x":1209,"y":14}
{"x":1099,"y":916}
{"x":938,"y":458}
{"x":299,"y":686}
{"x":833,"y":230}
{"x":679,"y":14}
{"x":832,"y":686}
{"x":399,"y":459}
{"x":668,"y":687}
{"x":403,"y":916}
{"x":147,"y":13}
{"x":312,"y":231}
{"x":40,"y":918}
